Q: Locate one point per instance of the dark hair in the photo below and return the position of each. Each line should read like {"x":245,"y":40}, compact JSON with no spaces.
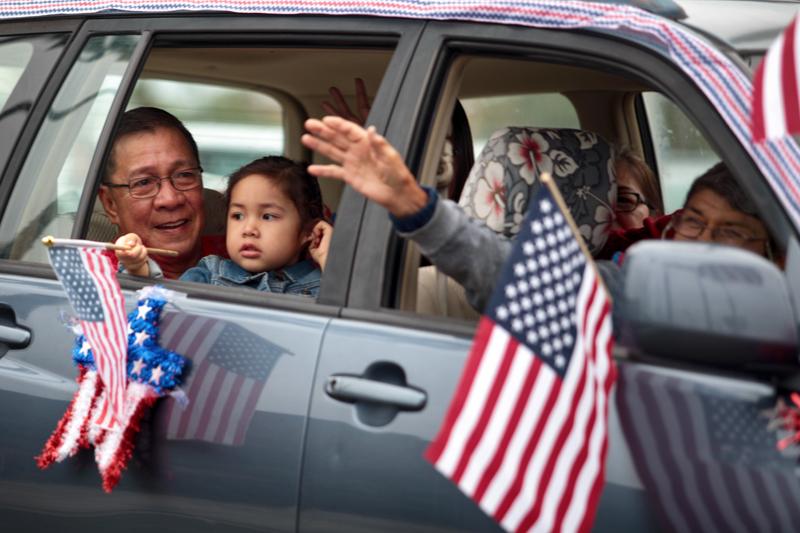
{"x":463,"y":156}
{"x":719,"y":180}
{"x":644,"y":177}
{"x":293,"y":179}
{"x":147,"y":119}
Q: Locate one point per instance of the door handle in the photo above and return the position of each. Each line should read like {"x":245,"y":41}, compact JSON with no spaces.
{"x":353,"y":388}
{"x":14,"y":336}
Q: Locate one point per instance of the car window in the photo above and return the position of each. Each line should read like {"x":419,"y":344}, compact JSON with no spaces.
{"x":14,"y":57}
{"x":500,"y":95}
{"x":49,"y":187}
{"x":681,"y":152}
{"x":232,"y":126}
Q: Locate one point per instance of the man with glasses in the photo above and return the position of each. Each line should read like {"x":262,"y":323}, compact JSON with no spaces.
{"x":153,"y":186}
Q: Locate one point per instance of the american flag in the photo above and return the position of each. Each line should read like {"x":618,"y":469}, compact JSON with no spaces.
{"x":230,"y":366}
{"x":89,"y":277}
{"x":525,"y":434}
{"x":776,"y":88}
{"x":705,"y":454}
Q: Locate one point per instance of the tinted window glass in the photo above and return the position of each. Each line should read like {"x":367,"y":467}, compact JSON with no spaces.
{"x":231,"y":126}
{"x":682,"y":153}
{"x":49,"y":187}
{"x":14,"y":56}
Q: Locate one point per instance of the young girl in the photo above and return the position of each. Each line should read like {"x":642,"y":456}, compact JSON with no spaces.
{"x":276,"y":235}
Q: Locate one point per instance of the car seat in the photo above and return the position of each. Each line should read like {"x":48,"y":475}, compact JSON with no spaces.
{"x":504,"y":178}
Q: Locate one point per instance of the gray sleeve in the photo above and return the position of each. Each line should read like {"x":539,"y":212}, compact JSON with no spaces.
{"x":464,"y":249}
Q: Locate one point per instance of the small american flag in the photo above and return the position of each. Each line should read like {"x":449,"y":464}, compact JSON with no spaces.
{"x":776,"y":88}
{"x":89,"y":277}
{"x":230,"y":366}
{"x":705,"y":454}
{"x":525,"y":434}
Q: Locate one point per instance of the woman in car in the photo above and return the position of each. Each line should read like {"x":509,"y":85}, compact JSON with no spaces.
{"x":638,"y":194}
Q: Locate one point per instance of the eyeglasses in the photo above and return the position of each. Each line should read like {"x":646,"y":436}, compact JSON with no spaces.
{"x":148,"y":186}
{"x":629,"y":200}
{"x":691,"y":227}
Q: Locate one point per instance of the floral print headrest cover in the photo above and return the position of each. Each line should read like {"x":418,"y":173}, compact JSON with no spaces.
{"x":505,"y":176}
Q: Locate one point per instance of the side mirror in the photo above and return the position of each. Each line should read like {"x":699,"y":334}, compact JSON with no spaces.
{"x":705,"y":303}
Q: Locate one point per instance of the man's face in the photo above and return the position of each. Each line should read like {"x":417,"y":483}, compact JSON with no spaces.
{"x":713,"y":219}
{"x":172,"y":219}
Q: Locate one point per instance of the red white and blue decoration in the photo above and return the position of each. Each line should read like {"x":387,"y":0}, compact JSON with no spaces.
{"x":525,"y":435}
{"x":89,"y":277}
{"x":152,"y":372}
{"x":776,"y":88}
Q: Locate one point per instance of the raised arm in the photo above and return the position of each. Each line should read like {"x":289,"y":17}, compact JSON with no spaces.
{"x":462,"y":248}
{"x":365,"y":161}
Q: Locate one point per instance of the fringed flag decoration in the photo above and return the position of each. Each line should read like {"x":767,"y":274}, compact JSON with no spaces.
{"x":152,"y":372}
{"x":525,"y":435}
{"x":776,"y":89}
{"x":785,"y":418}
{"x":89,"y":277}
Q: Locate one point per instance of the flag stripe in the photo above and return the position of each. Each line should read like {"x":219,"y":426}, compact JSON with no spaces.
{"x":533,"y":467}
{"x":530,"y":428}
{"x":109,"y":335}
{"x":664,"y":420}
{"x":574,"y":434}
{"x":488,"y":408}
{"x":526,"y":431}
{"x":484,"y":376}
{"x":216,"y":417}
{"x":791,"y":100}
{"x":245,"y":414}
{"x":198,"y":336}
{"x":512,"y":399}
{"x":482,"y":334}
{"x":586,"y":468}
{"x":514,"y":422}
{"x":581,"y":513}
{"x":643,"y":443}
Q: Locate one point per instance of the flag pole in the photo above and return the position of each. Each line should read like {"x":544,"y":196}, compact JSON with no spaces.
{"x":52,"y":241}
{"x":547,"y":180}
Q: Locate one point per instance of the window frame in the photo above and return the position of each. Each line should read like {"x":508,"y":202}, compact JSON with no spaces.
{"x":374,"y":297}
{"x":17,"y":139}
{"x":305,"y":31}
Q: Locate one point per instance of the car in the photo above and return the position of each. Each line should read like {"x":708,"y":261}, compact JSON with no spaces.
{"x":707,"y":341}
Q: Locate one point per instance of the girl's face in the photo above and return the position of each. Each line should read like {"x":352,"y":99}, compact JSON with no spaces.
{"x":264,"y":227}
{"x":631,"y":211}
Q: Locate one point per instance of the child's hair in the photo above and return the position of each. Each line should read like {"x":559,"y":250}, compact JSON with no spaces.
{"x":293,"y":179}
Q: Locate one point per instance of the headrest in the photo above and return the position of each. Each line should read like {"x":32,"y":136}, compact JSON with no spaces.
{"x":506,"y":173}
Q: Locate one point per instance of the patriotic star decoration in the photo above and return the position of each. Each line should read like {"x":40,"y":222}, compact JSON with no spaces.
{"x":152,"y":372}
{"x":148,"y":363}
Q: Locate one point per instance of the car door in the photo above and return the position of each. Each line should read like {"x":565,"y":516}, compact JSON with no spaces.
{"x":230,"y":458}
{"x":382,"y":387}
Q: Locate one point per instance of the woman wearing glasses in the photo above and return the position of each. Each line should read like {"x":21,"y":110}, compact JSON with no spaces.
{"x":638,"y":194}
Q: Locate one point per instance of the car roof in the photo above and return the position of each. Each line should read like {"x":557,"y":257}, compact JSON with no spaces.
{"x":665,"y":8}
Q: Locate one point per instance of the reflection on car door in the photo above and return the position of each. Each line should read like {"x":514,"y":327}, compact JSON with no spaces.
{"x":228,"y":461}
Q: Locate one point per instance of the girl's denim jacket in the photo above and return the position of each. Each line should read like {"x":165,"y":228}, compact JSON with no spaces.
{"x":302,"y":277}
